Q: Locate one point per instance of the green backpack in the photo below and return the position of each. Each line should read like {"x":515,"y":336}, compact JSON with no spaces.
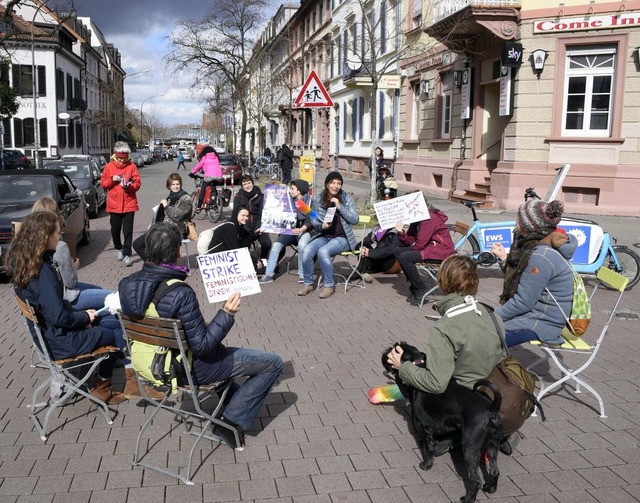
{"x":580,"y":315}
{"x":158,"y":365}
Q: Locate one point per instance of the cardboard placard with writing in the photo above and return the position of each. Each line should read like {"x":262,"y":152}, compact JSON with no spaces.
{"x":406,"y":209}
{"x":226,"y":272}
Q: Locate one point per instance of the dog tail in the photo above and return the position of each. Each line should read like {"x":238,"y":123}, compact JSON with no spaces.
{"x":497,"y":396}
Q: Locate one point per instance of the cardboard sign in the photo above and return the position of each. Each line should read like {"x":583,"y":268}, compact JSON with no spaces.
{"x":279,"y":212}
{"x":406,"y":209}
{"x":226,"y":272}
{"x":330,"y":215}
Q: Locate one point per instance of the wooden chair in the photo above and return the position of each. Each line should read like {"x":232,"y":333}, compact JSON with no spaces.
{"x":579,"y":346}
{"x":71,"y":374}
{"x":169,"y":334}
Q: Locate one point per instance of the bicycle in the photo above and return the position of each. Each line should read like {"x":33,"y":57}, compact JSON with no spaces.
{"x":213,"y":202}
{"x":259,"y":165}
{"x":596,"y":248}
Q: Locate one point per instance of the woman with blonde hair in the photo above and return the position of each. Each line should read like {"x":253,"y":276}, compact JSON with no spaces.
{"x":80,"y":295}
{"x":67,"y":332}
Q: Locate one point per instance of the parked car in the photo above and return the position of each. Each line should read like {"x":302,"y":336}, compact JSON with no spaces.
{"x":85,"y":174}
{"x":231,"y":166}
{"x":14,"y":159}
{"x":186,"y":153}
{"x":158,"y":154}
{"x":100,"y":160}
{"x":20,"y":189}
{"x":137,"y":159}
{"x":146,"y":156}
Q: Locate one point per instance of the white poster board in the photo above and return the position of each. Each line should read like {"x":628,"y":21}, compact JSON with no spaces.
{"x":406,"y":209}
{"x":226,"y":272}
{"x":278,"y":210}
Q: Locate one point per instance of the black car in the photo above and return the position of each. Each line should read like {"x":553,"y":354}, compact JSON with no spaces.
{"x":20,"y":189}
{"x":85,"y":175}
{"x":14,"y":159}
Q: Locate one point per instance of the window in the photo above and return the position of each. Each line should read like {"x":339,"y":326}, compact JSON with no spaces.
{"x":344,"y":121}
{"x":414,"y":130}
{"x":416,"y":15}
{"x":380,"y":114}
{"x":28,"y":132}
{"x":23,"y":80}
{"x":446,"y":106}
{"x":339,"y":43}
{"x":354,"y":118}
{"x":361,"y":117}
{"x":588,"y":91}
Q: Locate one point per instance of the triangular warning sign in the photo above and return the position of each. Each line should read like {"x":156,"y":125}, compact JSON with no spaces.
{"x":313,"y":94}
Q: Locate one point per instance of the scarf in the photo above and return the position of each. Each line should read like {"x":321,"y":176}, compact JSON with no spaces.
{"x":519,"y":256}
{"x":174,"y":197}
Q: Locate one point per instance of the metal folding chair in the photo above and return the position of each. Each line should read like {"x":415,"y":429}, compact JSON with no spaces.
{"x":169,"y":334}
{"x":579,"y":346}
{"x":72,"y":374}
{"x":429,"y":268}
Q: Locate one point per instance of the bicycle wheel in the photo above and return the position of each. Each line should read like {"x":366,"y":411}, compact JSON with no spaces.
{"x":194,"y":200}
{"x":469,"y":247}
{"x":214,"y":212}
{"x":629,"y":265}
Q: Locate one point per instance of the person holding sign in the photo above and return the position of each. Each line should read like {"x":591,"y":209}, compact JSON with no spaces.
{"x":212,"y":360}
{"x":336,"y":213}
{"x":427,"y":240}
{"x":299,"y":190}
{"x":250,"y":197}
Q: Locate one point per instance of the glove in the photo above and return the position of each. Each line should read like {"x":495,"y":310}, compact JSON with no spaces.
{"x":191,"y":175}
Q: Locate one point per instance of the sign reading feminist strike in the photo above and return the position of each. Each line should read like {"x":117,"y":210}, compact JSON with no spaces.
{"x":406,"y":209}
{"x":226,"y":272}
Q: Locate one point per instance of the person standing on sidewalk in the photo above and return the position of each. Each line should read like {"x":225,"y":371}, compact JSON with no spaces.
{"x":121,"y":178}
{"x":285,"y":158}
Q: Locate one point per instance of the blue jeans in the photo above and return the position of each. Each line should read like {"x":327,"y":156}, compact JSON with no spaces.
{"x":282,"y":242}
{"x":520,"y":336}
{"x":91,"y":297}
{"x":325,"y":249}
{"x":263,"y":370}
{"x":111,"y":336}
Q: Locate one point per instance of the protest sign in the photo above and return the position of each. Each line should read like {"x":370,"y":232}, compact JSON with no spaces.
{"x":226,"y":272}
{"x":406,"y":209}
{"x":329,"y":215}
{"x":278,"y":210}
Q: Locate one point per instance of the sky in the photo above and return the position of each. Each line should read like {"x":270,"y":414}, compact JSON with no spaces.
{"x":138,"y":29}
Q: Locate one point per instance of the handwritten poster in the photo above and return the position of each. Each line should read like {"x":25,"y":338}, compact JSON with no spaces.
{"x":406,"y":209}
{"x":278,"y":210}
{"x":226,"y":272}
{"x":329,"y":215}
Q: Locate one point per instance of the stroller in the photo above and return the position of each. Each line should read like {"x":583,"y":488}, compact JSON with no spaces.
{"x":386,"y":185}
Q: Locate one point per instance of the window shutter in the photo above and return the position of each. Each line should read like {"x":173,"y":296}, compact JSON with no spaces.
{"x":17,"y":127}
{"x":44,"y":133}
{"x":42,"y":80}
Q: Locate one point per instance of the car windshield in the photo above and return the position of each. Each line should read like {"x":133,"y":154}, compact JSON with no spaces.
{"x":24,"y":189}
{"x":227,"y":160}
{"x":75,"y":171}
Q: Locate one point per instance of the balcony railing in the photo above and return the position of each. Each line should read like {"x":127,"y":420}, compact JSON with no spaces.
{"x":445,"y":8}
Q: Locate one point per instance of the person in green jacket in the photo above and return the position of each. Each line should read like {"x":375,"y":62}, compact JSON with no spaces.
{"x":463,"y":344}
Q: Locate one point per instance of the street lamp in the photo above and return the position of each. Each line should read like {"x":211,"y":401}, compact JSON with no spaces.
{"x":136,"y":73}
{"x":143,"y":102}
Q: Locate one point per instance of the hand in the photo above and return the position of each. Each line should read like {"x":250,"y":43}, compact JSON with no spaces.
{"x":116,"y":178}
{"x":364,"y":251}
{"x":191,"y":175}
{"x":164,"y":202}
{"x":295,"y":232}
{"x":400,"y":227}
{"x":325,"y":226}
{"x":335,"y":201}
{"x":232,"y":306}
{"x":93,"y":314}
{"x":394,"y":358}
{"x":498,"y":250}
{"x":76,"y":263}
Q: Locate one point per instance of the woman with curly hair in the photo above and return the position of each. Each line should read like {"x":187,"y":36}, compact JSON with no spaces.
{"x":67,"y":332}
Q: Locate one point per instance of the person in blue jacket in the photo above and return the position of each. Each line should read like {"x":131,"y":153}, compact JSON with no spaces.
{"x":67,"y":332}
{"x":212,"y":360}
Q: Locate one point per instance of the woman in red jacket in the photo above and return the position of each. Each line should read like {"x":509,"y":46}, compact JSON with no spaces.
{"x":121,"y":178}
{"x":426,"y":240}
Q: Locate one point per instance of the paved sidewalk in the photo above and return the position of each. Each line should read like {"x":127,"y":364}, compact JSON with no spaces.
{"x":318,"y":439}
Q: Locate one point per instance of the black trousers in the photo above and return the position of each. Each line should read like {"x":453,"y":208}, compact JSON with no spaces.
{"x":408,"y":259}
{"x":122,"y":223}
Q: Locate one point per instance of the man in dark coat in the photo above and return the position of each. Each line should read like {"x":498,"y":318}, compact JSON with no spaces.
{"x":285,"y":157}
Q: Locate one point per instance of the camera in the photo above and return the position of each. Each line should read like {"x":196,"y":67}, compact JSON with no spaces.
{"x":486,"y":259}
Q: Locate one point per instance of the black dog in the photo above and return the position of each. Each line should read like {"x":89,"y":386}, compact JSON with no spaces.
{"x":459,"y":411}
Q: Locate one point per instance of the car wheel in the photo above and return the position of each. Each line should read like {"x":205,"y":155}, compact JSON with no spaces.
{"x":86,"y":233}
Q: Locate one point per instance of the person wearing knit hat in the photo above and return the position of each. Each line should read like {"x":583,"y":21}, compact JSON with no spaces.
{"x":121,"y":179}
{"x":536,"y":269}
{"x":300,"y":234}
{"x":335,"y":233}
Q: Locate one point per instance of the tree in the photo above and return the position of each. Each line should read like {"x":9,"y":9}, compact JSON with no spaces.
{"x":220,"y":45}
{"x":8,"y":97}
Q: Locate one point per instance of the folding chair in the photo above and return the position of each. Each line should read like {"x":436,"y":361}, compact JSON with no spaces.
{"x":353,"y":258}
{"x":577,"y":345}
{"x":71,"y":373}
{"x":169,"y":334}
{"x":429,"y":268}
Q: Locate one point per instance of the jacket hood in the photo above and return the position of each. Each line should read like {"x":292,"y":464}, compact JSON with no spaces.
{"x":566,"y":244}
{"x":137,"y":291}
{"x":440,"y":215}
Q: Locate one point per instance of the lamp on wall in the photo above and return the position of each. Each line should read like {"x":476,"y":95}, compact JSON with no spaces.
{"x":457,"y":78}
{"x":425,"y":86}
{"x":538,"y":58}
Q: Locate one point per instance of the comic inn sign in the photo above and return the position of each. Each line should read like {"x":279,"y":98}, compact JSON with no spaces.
{"x":587,"y":23}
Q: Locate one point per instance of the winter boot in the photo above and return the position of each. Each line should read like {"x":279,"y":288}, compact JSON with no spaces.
{"x":102,"y":390}
{"x":132,"y":389}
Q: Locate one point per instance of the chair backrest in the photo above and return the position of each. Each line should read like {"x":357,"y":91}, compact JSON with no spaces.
{"x":363,"y":223}
{"x":164,"y":332}
{"x":33,"y":329}
{"x":617,"y":282}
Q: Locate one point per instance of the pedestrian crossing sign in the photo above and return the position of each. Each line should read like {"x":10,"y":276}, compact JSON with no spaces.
{"x":313,"y":93}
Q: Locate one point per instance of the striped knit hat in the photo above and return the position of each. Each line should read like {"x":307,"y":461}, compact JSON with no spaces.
{"x":537,"y":216}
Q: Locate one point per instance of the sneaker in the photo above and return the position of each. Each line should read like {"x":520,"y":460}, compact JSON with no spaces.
{"x":119,"y":255}
{"x":227,"y":436}
{"x":327,"y":292}
{"x":417,"y":300}
{"x":127,"y":261}
{"x":367,"y":277}
{"x":265,"y":279}
{"x":305,"y":290}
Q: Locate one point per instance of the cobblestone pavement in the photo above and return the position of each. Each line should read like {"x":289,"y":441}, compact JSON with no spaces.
{"x":318,"y":439}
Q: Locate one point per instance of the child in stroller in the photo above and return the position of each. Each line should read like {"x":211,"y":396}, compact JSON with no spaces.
{"x":387,"y":187}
